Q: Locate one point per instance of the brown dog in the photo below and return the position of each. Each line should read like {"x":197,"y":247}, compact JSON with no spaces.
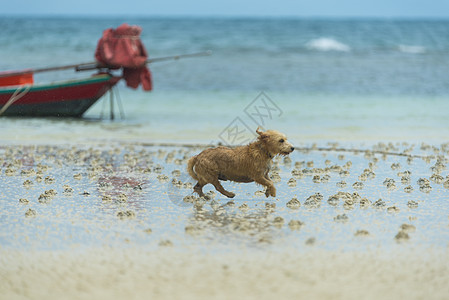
{"x":241,"y":164}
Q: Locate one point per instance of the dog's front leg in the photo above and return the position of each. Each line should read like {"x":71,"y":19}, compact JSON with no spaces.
{"x":266,"y":175}
{"x":271,"y":190}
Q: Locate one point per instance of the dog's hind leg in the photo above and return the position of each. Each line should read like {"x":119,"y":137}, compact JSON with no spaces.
{"x":221,"y":189}
{"x":198,"y":188}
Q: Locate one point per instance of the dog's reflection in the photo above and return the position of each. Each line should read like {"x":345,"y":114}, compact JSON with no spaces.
{"x":214,"y":220}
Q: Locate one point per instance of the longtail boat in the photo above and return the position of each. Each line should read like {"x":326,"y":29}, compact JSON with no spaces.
{"x":70,"y":98}
{"x":119,"y":48}
{"x":21,"y":97}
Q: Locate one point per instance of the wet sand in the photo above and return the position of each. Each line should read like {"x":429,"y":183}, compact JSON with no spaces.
{"x":120,"y":221}
{"x":171,"y":274}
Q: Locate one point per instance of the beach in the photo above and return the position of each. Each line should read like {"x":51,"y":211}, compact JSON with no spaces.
{"x":94,"y":208}
{"x":106,"y":222}
{"x":165,"y":274}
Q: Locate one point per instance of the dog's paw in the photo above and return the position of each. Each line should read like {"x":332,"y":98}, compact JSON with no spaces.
{"x":230,"y":195}
{"x":270,"y":192}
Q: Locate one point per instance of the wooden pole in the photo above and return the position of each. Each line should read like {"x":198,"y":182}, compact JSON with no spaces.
{"x":95,"y":65}
{"x":111,"y":99}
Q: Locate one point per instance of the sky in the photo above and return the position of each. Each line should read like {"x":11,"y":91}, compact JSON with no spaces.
{"x":255,"y":8}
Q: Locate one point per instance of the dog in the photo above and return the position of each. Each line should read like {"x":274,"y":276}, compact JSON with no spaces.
{"x":250,"y":163}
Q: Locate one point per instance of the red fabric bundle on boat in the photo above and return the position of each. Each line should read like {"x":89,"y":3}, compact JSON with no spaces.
{"x":122,"y":47}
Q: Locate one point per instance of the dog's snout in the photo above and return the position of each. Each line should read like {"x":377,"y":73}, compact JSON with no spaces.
{"x":293,"y":148}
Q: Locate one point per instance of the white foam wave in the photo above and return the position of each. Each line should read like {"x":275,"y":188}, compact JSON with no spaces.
{"x":327,"y":44}
{"x":412,"y":49}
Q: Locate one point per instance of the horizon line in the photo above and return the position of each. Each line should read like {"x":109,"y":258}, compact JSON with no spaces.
{"x":224,"y":16}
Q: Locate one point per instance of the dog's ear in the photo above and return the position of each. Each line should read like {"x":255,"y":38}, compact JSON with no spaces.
{"x":262,"y":135}
{"x":258,"y":131}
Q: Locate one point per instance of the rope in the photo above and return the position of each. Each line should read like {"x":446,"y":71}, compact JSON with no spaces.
{"x":15,"y":96}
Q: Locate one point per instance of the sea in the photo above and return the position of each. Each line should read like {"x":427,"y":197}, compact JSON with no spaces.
{"x":317,"y":80}
{"x":365,"y":101}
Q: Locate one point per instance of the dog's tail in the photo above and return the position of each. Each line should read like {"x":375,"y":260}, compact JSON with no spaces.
{"x":190,"y":166}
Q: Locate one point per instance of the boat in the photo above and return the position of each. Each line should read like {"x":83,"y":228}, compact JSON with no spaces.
{"x":70,"y":98}
{"x":119,"y":48}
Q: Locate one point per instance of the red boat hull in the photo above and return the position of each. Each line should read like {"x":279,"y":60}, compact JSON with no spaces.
{"x":62,"y":99}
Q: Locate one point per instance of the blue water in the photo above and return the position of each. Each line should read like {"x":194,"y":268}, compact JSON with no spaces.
{"x":333,"y":79}
{"x":357,"y":82}
{"x":347,"y":56}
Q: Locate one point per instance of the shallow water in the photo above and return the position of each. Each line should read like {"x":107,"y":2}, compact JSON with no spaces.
{"x":125,"y":196}
{"x":203,"y":116}
{"x":94,"y":208}
{"x":318,"y":89}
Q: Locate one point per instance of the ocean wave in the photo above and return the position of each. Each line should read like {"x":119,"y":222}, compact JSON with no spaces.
{"x":412,"y":49}
{"x":327,"y":44}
